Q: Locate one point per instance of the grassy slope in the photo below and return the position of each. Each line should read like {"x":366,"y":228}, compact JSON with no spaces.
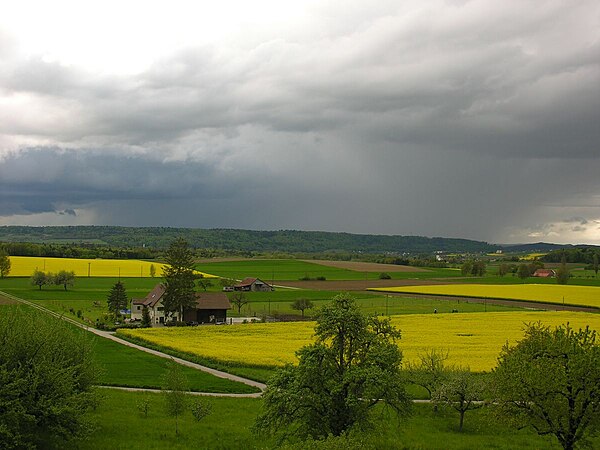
{"x":121,"y":426}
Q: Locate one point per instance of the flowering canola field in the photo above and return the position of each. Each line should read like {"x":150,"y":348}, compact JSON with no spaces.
{"x":23,"y":266}
{"x":549,"y":293}
{"x":472,"y":339}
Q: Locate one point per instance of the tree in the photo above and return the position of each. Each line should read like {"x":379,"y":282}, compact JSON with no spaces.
{"x":146,"y":321}
{"x":550,"y":380}
{"x":47,"y":374}
{"x":562,"y":274}
{"x":300,"y":304}
{"x":479,"y":268}
{"x":38,"y":278}
{"x":503,"y":269}
{"x":64,"y":278}
{"x":431,"y":371}
{"x":226,"y":282}
{"x":238,"y":299}
{"x":152,"y":270}
{"x":523,"y":271}
{"x":353,"y":365}
{"x":117,"y":298}
{"x":461,"y":391}
{"x":204,"y":283}
{"x":467,"y":268}
{"x":175,"y":387}
{"x":201,"y":409}
{"x":595,"y":263}
{"x":179,"y":278}
{"x":4,"y":263}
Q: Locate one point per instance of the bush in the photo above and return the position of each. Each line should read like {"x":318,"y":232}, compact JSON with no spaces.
{"x":384,"y":276}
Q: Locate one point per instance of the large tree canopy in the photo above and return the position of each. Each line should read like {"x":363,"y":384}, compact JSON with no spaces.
{"x":551,"y":381}
{"x":46,"y":377}
{"x":179,"y":278}
{"x":354,"y":364}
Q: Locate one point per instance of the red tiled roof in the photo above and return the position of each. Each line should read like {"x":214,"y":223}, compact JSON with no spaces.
{"x":212,"y":300}
{"x":544,"y":273}
{"x":247,"y":282}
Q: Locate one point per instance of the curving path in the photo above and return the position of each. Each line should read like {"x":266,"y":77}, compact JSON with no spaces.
{"x":183,"y":362}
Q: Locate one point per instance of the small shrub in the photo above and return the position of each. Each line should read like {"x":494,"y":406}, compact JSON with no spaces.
{"x":201,"y":409}
{"x":321,"y":278}
{"x":143,"y":406}
{"x":79,"y":314}
{"x":384,"y":276}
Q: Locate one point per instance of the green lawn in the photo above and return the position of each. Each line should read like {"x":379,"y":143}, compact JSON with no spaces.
{"x":270,"y":270}
{"x":121,"y":426}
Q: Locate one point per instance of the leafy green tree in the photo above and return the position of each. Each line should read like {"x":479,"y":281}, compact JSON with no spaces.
{"x":38,"y":278}
{"x":152,"y":270}
{"x":179,"y":278}
{"x":562,"y":273}
{"x":64,"y":278}
{"x":4,"y":263}
{"x":146,"y":321}
{"x":550,"y":380}
{"x":201,"y":409}
{"x":479,"y":268}
{"x":353,"y":365}
{"x":239,"y":300}
{"x":176,"y":391}
{"x":300,"y":304}
{"x":595,"y":263}
{"x":431,"y":370}
{"x":503,"y":269}
{"x":462,"y":391}
{"x":204,"y":282}
{"x":226,"y":282}
{"x":467,"y":268}
{"x":47,"y":375}
{"x":523,"y":271}
{"x":117,"y":298}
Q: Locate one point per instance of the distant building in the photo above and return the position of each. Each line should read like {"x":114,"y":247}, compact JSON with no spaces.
{"x":252,"y":284}
{"x":544,"y":273}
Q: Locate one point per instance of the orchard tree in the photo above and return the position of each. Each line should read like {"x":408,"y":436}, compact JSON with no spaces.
{"x":64,"y":278}
{"x":462,"y":391}
{"x":4,"y":263}
{"x":38,"y":278}
{"x":354,"y":365}
{"x":595,"y":264}
{"x":152,"y":270}
{"x":179,"y":278}
{"x":431,"y":370}
{"x":117,"y":298}
{"x":204,"y":282}
{"x":562,"y":274}
{"x":175,"y":388}
{"x":550,"y":380}
{"x":503,"y":269}
{"x":239,"y":300}
{"x":523,"y":271}
{"x":300,"y":304}
{"x":47,"y":377}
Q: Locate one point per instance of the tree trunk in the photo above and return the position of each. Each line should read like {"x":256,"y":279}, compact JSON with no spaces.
{"x":462,"y":419}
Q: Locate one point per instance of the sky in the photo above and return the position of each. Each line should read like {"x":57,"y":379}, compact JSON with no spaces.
{"x":471,"y":119}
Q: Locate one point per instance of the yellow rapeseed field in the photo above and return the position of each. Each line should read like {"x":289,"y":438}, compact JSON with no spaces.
{"x":549,"y":293}
{"x":472,"y":339}
{"x":23,"y":266}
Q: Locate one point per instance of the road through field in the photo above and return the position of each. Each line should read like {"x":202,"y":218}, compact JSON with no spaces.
{"x":112,"y":337}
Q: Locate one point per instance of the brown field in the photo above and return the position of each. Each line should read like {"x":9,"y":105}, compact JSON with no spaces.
{"x":355,"y":285}
{"x":366,"y":266}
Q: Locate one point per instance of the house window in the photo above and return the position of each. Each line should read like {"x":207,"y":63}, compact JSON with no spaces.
{"x":139,"y":307}
{"x":161,"y":308}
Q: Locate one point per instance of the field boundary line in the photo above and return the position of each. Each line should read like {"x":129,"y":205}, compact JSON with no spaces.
{"x":112,"y":337}
{"x":199,"y":394}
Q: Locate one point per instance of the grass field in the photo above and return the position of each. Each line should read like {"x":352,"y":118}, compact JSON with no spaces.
{"x":121,"y":426}
{"x":276,"y":270}
{"x":23,"y":266}
{"x":473,"y":339}
{"x":549,"y":293}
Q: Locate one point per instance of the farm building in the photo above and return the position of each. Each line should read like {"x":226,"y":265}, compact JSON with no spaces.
{"x":544,"y":273}
{"x":210,"y":307}
{"x":252,"y":284}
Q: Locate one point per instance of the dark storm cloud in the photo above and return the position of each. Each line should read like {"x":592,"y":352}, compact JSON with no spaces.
{"x":439,"y":118}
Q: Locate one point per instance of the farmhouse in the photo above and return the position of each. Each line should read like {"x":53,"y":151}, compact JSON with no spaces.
{"x":252,"y":284}
{"x":210,"y":307}
{"x":544,"y":273}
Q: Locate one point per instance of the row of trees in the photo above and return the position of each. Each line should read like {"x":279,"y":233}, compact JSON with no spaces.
{"x":63,"y":278}
{"x":550,"y":380}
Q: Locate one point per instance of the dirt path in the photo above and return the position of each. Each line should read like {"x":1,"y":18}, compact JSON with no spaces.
{"x":359,"y":266}
{"x":356,"y":285}
{"x":112,"y":337}
{"x":202,"y":394}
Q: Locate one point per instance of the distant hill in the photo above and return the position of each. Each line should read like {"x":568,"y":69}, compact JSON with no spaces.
{"x":242,"y":240}
{"x":538,"y":247}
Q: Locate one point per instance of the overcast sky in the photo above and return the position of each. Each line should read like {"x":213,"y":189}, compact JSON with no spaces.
{"x":474,"y":119}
